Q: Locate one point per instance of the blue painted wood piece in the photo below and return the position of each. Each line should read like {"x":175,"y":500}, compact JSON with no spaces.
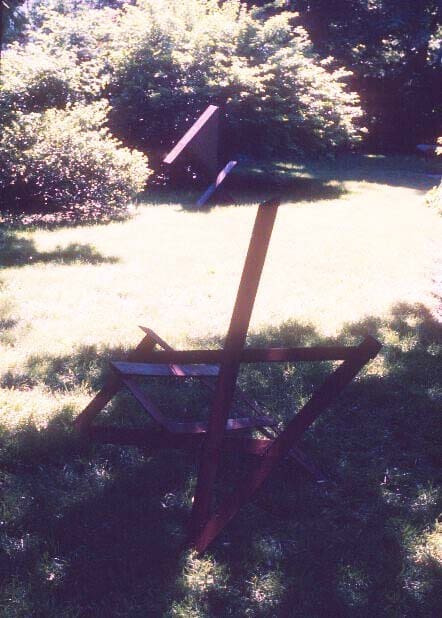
{"x":214,"y":186}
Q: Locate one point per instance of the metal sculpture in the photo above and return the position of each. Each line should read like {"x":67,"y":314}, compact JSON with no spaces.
{"x":201,"y":142}
{"x":221,"y":434}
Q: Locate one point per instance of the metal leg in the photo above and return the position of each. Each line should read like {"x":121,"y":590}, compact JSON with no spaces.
{"x":235,"y":340}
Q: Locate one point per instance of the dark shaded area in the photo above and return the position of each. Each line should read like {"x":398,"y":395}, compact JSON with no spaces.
{"x":292,"y":187}
{"x":18,"y":251}
{"x":74,"y":217}
{"x":96,"y":530}
{"x":410,"y":172}
{"x":7,"y":323}
{"x":396,"y":64}
{"x":249,"y":185}
{"x":401,"y":171}
{"x":307,"y":180}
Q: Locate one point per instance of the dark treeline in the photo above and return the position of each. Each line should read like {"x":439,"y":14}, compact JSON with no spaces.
{"x":394,"y":49}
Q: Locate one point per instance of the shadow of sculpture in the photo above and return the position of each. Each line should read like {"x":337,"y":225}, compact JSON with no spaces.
{"x":97,"y":530}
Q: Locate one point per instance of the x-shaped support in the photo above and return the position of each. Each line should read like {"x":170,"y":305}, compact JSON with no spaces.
{"x":224,"y":364}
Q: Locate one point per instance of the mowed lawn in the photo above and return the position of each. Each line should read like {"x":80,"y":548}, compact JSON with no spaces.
{"x":354,"y":250}
{"x":331,"y":262}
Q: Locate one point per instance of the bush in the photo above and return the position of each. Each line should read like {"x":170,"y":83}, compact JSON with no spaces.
{"x":33,"y":80}
{"x":171,"y":59}
{"x":56,"y":153}
{"x":66,"y":159}
{"x":161,"y":62}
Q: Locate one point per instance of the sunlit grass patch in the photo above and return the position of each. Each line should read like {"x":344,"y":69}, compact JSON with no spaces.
{"x":37,"y":405}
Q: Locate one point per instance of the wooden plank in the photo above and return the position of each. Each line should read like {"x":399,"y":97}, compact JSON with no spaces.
{"x":233,"y":424}
{"x":169,"y":348}
{"x":262,"y":420}
{"x":200,"y":140}
{"x":214,"y":186}
{"x":210,"y":385}
{"x":149,"y":369}
{"x":300,"y":458}
{"x":147,"y":404}
{"x":146,"y":438}
{"x":110,"y":388}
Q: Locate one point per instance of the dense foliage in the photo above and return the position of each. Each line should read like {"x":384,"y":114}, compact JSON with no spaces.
{"x":34,"y":79}
{"x":392,"y":47}
{"x":394,"y":50}
{"x":56,"y":152}
{"x":276,"y":70}
{"x":65,"y":159}
{"x":164,"y":61}
{"x":171,"y":59}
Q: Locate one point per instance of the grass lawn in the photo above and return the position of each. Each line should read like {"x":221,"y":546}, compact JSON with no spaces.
{"x":95,"y":531}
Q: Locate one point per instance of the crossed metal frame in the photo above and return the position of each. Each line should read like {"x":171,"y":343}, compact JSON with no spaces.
{"x":221,"y":434}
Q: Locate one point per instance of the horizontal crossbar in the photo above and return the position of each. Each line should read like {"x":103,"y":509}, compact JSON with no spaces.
{"x":254,"y":355}
{"x":134,"y":436}
{"x":150,"y":369}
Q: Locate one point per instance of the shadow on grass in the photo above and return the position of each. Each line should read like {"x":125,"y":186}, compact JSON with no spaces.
{"x":249,"y":186}
{"x":262,"y":183}
{"x":18,"y":251}
{"x":96,"y":530}
{"x":301,"y":181}
{"x":410,"y":171}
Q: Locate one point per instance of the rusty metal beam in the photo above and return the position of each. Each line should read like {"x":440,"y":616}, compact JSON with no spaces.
{"x":210,"y":438}
{"x":254,"y":355}
{"x":233,"y":347}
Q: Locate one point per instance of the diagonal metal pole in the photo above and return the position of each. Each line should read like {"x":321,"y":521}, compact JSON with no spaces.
{"x":234,"y":344}
{"x":280,"y":447}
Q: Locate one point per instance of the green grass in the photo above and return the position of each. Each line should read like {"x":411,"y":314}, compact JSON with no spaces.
{"x":96,"y":530}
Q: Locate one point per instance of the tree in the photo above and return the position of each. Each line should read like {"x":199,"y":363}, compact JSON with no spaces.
{"x":56,"y":150}
{"x":391,"y":48}
{"x":173,"y":58}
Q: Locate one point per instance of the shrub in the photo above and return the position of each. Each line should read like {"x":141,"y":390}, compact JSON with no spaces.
{"x":161,"y":62}
{"x":55,"y":151}
{"x":170,"y":59}
{"x":66,"y":159}
{"x":34,"y":79}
